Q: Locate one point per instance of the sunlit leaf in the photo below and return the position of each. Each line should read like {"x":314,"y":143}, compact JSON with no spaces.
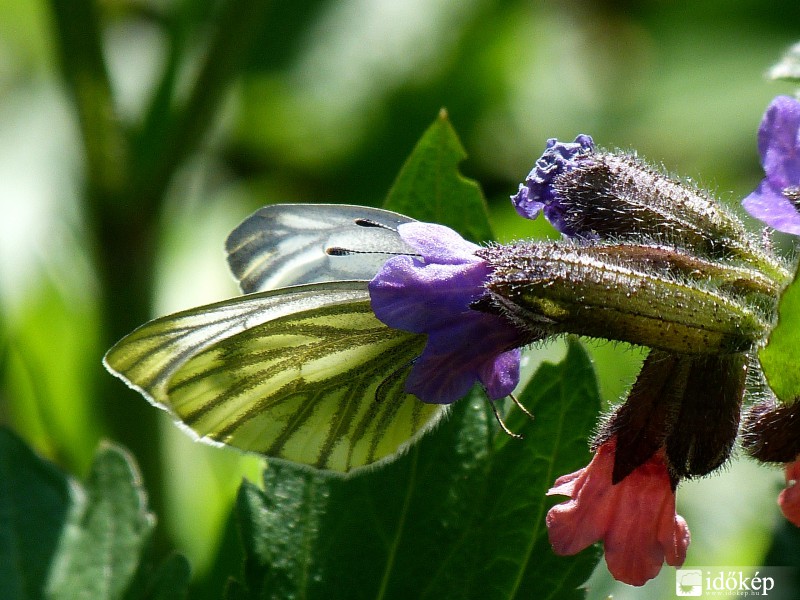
{"x":430,"y":188}
{"x":99,"y":552}
{"x":779,"y":356}
{"x":59,"y":540}
{"x":51,"y":357}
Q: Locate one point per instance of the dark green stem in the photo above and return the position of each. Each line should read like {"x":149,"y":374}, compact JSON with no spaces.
{"x":84,"y":71}
{"x":167,"y":145}
{"x":126,"y":181}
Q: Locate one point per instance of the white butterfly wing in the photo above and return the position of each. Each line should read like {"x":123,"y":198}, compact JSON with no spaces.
{"x":291,"y":244}
{"x":304,"y":373}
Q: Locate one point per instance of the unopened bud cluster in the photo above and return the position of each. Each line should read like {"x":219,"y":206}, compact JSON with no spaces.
{"x":654,"y":262}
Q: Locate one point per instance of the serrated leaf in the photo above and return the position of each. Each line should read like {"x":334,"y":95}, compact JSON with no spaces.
{"x":99,"y":553}
{"x":788,"y":67}
{"x":460,"y":516}
{"x":430,"y":188}
{"x":779,"y":356}
{"x":34,"y":501}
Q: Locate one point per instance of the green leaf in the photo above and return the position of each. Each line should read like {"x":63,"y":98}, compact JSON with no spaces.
{"x":77,"y":543}
{"x":170,"y":581}
{"x":430,"y":188}
{"x":460,"y":516}
{"x":779,"y":356}
{"x":788,"y":67}
{"x":104,"y":537}
{"x":34,"y":501}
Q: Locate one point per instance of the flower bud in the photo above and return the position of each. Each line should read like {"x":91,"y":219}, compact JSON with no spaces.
{"x":771,"y":431}
{"x":574,"y":289}
{"x":688,"y":405}
{"x":706,"y":426}
{"x":593,"y":194}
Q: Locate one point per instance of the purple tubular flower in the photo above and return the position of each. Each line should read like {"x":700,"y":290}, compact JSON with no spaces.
{"x":431,"y":293}
{"x":776,"y":200}
{"x":537,"y":193}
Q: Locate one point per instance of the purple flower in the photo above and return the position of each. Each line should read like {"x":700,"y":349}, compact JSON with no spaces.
{"x":777,"y":198}
{"x":537,"y":194}
{"x":432,"y":293}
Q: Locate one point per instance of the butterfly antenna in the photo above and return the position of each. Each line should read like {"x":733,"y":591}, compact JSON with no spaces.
{"x":501,"y":423}
{"x":521,"y":406}
{"x":339,"y":251}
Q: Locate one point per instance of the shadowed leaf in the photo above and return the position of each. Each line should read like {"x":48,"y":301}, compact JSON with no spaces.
{"x":34,"y":501}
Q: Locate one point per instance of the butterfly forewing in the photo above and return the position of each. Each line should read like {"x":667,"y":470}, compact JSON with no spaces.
{"x":291,"y":244}
{"x":306,"y":374}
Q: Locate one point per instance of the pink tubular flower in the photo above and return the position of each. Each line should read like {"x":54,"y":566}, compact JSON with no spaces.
{"x":635,"y":517}
{"x":789,"y":499}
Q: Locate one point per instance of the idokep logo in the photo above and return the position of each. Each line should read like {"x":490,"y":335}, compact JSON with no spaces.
{"x":689,"y":582}
{"x":721,"y":582}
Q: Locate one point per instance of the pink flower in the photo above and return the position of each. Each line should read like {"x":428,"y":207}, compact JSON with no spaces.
{"x":635,"y":517}
{"x":789,"y":499}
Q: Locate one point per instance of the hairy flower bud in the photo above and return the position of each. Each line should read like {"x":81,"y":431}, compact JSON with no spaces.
{"x":771,"y":431}
{"x":574,"y":289}
{"x":688,"y":405}
{"x":591,"y":194}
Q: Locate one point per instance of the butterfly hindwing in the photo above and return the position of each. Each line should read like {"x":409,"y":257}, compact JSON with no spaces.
{"x":305,"y":373}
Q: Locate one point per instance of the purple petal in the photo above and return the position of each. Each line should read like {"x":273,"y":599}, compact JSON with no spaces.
{"x":526,"y":205}
{"x":501,"y":376}
{"x":779,"y":143}
{"x":475,"y":348}
{"x":433,"y":293}
{"x":537,"y":192}
{"x":773,"y":208}
{"x":438,"y":244}
{"x":775,"y":199}
{"x":414,"y":296}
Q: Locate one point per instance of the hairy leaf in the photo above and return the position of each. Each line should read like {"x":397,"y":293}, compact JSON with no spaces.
{"x":99,"y":552}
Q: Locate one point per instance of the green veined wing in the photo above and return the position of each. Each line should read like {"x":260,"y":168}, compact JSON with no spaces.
{"x":305,"y":373}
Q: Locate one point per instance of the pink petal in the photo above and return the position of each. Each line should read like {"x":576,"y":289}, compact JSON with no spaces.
{"x":789,"y":499}
{"x":635,"y":518}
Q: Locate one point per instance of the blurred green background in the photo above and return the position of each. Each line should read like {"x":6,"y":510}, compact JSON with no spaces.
{"x":135,"y":135}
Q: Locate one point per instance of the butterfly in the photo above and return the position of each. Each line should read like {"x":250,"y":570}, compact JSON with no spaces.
{"x":298,"y":368}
